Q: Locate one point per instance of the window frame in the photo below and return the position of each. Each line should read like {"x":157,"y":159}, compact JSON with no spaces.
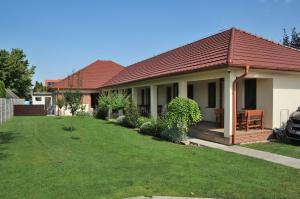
{"x":212,"y":95}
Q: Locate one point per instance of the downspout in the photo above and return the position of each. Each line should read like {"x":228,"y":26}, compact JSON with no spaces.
{"x":247,"y":67}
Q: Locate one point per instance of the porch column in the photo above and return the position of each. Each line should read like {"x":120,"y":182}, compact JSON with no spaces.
{"x":182,"y":88}
{"x":153,"y":101}
{"x":228,"y":112}
{"x":134,"y":95}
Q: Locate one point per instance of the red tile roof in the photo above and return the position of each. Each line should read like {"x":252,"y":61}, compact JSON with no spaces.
{"x":90,"y":77}
{"x":232,"y":47}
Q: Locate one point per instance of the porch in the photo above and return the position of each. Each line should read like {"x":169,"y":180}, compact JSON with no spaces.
{"x":213,"y":91}
{"x":211,"y":132}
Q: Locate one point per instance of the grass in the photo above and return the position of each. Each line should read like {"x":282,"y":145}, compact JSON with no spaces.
{"x":40,"y":158}
{"x":291,"y":148}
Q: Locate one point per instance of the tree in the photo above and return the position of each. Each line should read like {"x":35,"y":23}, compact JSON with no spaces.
{"x":2,"y":90}
{"x":293,"y":40}
{"x":15,"y":72}
{"x":39,"y":87}
{"x":73,"y":101}
{"x":113,"y":101}
{"x":60,"y":103}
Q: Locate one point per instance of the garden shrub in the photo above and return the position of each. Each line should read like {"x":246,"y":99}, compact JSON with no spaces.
{"x":161,"y":124}
{"x":100,"y":113}
{"x":131,"y":116}
{"x":114,"y":101}
{"x":173,"y":134}
{"x":2,"y":90}
{"x":120,"y":120}
{"x":83,"y":114}
{"x":142,"y":120}
{"x":148,"y":128}
{"x":104,"y":102}
{"x":181,"y":113}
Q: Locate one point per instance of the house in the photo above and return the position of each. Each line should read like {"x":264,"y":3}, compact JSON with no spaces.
{"x":231,"y":75}
{"x":87,"y":81}
{"x":10,"y":94}
{"x":48,"y":83}
{"x":46,"y":99}
{"x":13,"y":97}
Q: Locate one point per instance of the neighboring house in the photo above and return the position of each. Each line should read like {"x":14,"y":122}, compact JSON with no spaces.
{"x":261,"y":74}
{"x":16,"y":99}
{"x":87,"y":81}
{"x":49,"y":83}
{"x":46,"y":99}
{"x":10,"y":94}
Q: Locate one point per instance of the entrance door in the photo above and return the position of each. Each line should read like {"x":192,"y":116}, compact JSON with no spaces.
{"x":48,"y":104}
{"x":250,"y":94}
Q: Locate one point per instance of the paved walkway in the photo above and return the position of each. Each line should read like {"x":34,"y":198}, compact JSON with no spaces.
{"x":272,"y":157}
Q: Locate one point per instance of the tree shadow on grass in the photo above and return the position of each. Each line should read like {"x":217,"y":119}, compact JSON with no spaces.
{"x":75,"y":138}
{"x":6,"y":138}
{"x":287,"y":142}
{"x":69,"y":128}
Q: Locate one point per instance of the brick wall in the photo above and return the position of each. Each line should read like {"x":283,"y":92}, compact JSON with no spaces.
{"x":254,"y":137}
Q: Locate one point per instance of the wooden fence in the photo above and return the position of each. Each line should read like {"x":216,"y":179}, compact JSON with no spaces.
{"x":6,"y":109}
{"x":29,"y":110}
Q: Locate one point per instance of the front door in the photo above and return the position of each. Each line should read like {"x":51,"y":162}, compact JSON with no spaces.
{"x":48,"y":104}
{"x":250,"y":94}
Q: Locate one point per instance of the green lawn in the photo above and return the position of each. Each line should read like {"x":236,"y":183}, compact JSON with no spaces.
{"x":291,"y":149}
{"x":39,"y":159}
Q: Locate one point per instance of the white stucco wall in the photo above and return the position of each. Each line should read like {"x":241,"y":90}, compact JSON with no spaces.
{"x":201,"y":97}
{"x":264,"y":95}
{"x":42,"y":102}
{"x":286,"y":98}
{"x":264,"y":98}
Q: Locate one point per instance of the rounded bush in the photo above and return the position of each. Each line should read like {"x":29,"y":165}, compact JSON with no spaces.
{"x":120,"y":120}
{"x":148,"y":128}
{"x":142,"y":120}
{"x":100,"y":113}
{"x":132,"y":116}
{"x":173,"y":134}
{"x":181,"y":113}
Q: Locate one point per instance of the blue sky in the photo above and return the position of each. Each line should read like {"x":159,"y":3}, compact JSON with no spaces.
{"x":61,"y":36}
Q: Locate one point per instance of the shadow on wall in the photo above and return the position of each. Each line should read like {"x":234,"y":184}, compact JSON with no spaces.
{"x":6,"y":138}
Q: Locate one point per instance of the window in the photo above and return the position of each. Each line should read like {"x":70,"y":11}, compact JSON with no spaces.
{"x":169,"y":94}
{"x":212,"y":95}
{"x":175,"y":90}
{"x":250,"y":94}
{"x":129,"y":91}
{"x":94,"y":100}
{"x":190,"y":91}
{"x":38,"y":99}
{"x":143,"y":96}
{"x":147,"y":97}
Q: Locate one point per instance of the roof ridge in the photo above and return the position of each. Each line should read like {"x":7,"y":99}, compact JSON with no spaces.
{"x":230,"y":48}
{"x":266,"y":39}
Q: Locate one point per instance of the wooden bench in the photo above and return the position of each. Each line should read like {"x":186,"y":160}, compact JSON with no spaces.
{"x":219,"y":112}
{"x":250,"y":119}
